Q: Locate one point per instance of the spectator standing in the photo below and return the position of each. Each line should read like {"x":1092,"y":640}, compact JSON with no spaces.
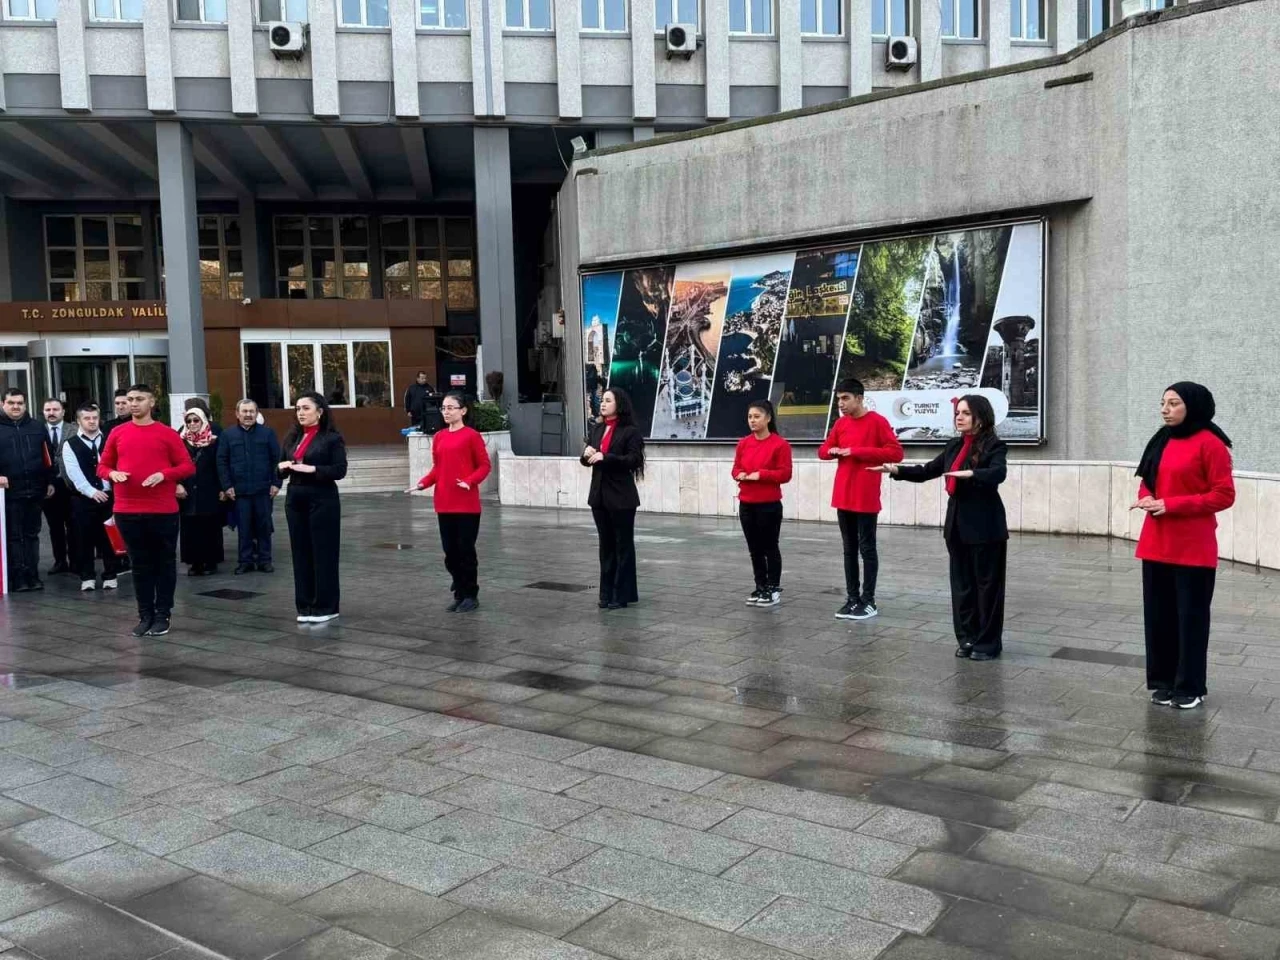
{"x":200,"y":500}
{"x":120,"y":404}
{"x":26,"y":475}
{"x":416,"y":400}
{"x":247,"y":458}
{"x":57,"y":508}
{"x":90,"y":501}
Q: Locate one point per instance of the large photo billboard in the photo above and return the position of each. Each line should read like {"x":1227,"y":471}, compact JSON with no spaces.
{"x":919,"y":319}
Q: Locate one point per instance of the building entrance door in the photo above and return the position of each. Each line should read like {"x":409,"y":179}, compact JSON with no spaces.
{"x":79,"y":369}
{"x":79,"y":380}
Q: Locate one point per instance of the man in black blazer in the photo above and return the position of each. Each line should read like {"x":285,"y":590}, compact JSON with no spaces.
{"x":57,"y":509}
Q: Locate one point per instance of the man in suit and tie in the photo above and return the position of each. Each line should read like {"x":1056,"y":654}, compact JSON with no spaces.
{"x":57,"y":509}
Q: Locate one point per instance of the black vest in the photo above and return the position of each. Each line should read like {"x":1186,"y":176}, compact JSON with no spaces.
{"x":87,"y":459}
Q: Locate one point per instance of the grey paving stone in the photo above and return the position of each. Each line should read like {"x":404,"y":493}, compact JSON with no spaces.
{"x":659,"y":840}
{"x":224,"y":919}
{"x":818,"y":933}
{"x":514,"y":803}
{"x":473,"y":936}
{"x":1199,"y":823}
{"x":57,"y":749}
{"x":75,"y":929}
{"x":913,"y":746}
{"x":1160,"y":881}
{"x":1208,"y":934}
{"x":136,"y":775}
{"x":261,"y":867}
{"x":1068,"y":861}
{"x":524,"y":742}
{"x":953,"y":804}
{"x":49,"y":840}
{"x":816,"y":842}
{"x":1088,"y":803}
{"x":159,"y":830}
{"x":13,"y":813}
{"x":1007,"y":886}
{"x":986,"y":782}
{"x":334,"y":944}
{"x":515,"y":715}
{"x":16,"y":771}
{"x":77,"y":799}
{"x":116,"y":873}
{"x":392,"y":772}
{"x":921,"y":830}
{"x":21,"y":892}
{"x":916,"y":948}
{"x":1129,"y":838}
{"x":1235,"y":802}
{"x":213,"y":801}
{"x":221,"y":763}
{"x":673,"y":806}
{"x":19,"y":731}
{"x":742,"y":738}
{"x":520,"y":770}
{"x":515,"y":844}
{"x":643,"y":718}
{"x":528,"y":900}
{"x":436,"y":751}
{"x":714,"y":756}
{"x":841,"y":812}
{"x":146,"y":739}
{"x":290,"y":824}
{"x":663,"y":886}
{"x":874,"y":898}
{"x":402,"y":859}
{"x":723,"y":712}
{"x":560,"y":702}
{"x":389,"y":808}
{"x":304,"y":785}
{"x":1031,"y":745}
{"x":1258,"y":904}
{"x":815,"y":728}
{"x":372,"y":907}
{"x":632,"y":932}
{"x":1228,"y":859}
{"x":608,"y":734}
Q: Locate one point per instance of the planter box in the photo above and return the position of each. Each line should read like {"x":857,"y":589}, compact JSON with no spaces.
{"x":420,"y":460}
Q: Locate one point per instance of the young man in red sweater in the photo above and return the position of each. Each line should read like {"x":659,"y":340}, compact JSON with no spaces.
{"x":859,"y":438}
{"x":144,"y":460}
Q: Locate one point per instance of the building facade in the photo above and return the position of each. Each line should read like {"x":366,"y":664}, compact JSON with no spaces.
{"x":181,"y":202}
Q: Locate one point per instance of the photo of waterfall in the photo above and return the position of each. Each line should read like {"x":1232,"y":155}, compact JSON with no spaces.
{"x":689,"y":360}
{"x":962,"y":279}
{"x":638,"y":342}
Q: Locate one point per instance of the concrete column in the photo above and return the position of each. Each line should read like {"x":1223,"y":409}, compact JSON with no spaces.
{"x":995,"y":27}
{"x":158,"y":53}
{"x":323,"y":49}
{"x":244,"y":79}
{"x":187,"y":375}
{"x":569,"y":59}
{"x":495,"y":254}
{"x":790,"y":56}
{"x":404,"y":58}
{"x":251,"y":248}
{"x":859,"y":31}
{"x":6,"y":268}
{"x":928,"y":23}
{"x":73,"y":71}
{"x":644,"y":91}
{"x":488,"y":70}
{"x":1065,"y":26}
{"x":716,"y":28}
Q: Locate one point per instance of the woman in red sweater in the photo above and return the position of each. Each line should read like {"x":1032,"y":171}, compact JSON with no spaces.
{"x":761,"y":465}
{"x":459,"y":463}
{"x":1186,"y":479}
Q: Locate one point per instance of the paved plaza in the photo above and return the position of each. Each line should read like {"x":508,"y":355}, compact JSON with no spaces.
{"x":688,"y":779}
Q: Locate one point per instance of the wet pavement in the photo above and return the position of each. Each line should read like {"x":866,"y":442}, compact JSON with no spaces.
{"x":688,"y":779}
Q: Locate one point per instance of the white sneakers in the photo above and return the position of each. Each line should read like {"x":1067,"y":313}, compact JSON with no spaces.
{"x":87,"y":585}
{"x":111,"y":584}
{"x":323,"y":618}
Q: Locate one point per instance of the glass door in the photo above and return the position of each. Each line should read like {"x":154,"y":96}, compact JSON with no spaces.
{"x":154,"y":371}
{"x":83,"y":380}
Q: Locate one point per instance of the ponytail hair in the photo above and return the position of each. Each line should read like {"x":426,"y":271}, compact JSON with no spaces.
{"x":765,"y":407}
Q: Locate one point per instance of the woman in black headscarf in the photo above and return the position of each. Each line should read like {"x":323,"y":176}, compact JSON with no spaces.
{"x":1186,"y":479}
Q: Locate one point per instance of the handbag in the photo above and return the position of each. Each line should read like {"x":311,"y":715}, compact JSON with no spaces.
{"x":115,"y":537}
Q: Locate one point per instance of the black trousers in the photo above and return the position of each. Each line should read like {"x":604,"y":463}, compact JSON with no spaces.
{"x":858,"y":531}
{"x":89,"y":538}
{"x":762,"y":525}
{"x":152,"y":539}
{"x":977,"y":593}
{"x":458,"y":532}
{"x":1175,"y":606}
{"x":315,"y":539}
{"x":254,"y":527}
{"x":617,"y":531}
{"x":57,"y":514}
{"x":22,"y":540}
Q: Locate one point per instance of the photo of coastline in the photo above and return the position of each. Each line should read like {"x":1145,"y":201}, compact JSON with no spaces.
{"x":694,"y":325}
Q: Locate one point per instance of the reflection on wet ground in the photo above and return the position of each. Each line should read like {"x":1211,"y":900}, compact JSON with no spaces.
{"x":687,"y":778}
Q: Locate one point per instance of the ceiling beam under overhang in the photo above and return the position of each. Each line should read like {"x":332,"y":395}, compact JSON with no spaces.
{"x":415,"y":151}
{"x":210,"y":156}
{"x":343,"y":144}
{"x":126,"y":147}
{"x":56,"y":154}
{"x":272,"y":146}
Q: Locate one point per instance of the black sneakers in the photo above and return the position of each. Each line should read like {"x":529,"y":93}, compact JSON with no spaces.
{"x":453,"y":606}
{"x":1186,"y":703}
{"x":143,"y":627}
{"x":769,"y":597}
{"x":864,"y":611}
{"x":467,"y":604}
{"x":1162,"y":698}
{"x":159,"y":626}
{"x":755,"y":596}
{"x":846,"y":612}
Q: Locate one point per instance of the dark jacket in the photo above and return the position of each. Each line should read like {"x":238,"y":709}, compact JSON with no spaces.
{"x":327,"y":452}
{"x":415,"y":399}
{"x":25,"y":458}
{"x":247,"y":459}
{"x":202,"y":487}
{"x":109,"y":425}
{"x":613,"y":482}
{"x":975,"y":512}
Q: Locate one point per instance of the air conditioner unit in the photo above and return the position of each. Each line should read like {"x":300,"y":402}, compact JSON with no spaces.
{"x":682,"y":40}
{"x":900,"y":53}
{"x":287,"y":40}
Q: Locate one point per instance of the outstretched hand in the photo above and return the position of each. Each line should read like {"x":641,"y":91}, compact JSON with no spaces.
{"x":959,"y":474}
{"x":889,"y":468}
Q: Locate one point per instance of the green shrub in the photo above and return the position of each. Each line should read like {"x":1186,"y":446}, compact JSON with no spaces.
{"x":487,"y":417}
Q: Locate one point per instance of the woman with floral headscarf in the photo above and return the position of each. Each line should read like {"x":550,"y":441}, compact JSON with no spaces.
{"x":1186,"y":479}
{"x":200,"y":497}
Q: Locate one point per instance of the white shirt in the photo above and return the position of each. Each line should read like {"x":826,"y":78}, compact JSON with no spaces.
{"x":71,"y":466}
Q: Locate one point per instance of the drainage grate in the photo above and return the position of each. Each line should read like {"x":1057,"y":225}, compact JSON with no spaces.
{"x":1099,"y":656}
{"x":557,"y":586}
{"x":228,"y":594}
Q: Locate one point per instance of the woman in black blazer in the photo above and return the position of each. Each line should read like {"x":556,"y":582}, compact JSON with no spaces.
{"x":615,"y":454}
{"x":975,"y":529}
{"x":315,"y":459}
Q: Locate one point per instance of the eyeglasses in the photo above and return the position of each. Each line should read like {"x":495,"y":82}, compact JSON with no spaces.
{"x":448,"y":407}
{"x":193,"y":420}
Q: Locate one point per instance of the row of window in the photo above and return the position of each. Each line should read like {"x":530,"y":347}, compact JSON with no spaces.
{"x":420,"y":258}
{"x":347,"y":374}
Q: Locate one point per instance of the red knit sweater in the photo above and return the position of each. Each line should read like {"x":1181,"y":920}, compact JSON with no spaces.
{"x":871,"y":442}
{"x":1194,"y":481}
{"x":457,"y":455}
{"x":140,"y":452}
{"x":772,"y":458}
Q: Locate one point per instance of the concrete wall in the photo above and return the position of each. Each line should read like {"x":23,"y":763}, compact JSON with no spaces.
{"x":1152,"y":153}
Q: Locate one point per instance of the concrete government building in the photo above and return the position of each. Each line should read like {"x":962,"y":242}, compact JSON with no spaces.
{"x":181,"y":203}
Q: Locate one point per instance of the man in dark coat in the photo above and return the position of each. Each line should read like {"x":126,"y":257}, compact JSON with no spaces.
{"x":247,"y":459}
{"x":26,"y":475}
{"x":416,"y":400}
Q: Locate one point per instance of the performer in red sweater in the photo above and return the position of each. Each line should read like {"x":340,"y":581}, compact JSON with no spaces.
{"x":860,"y":438}
{"x":144,"y":460}
{"x":459,"y":463}
{"x":1186,"y":479}
{"x":761,"y":465}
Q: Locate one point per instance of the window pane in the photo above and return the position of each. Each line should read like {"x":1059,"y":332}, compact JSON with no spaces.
{"x":429,"y":13}
{"x":760,"y":16}
{"x":263,"y":382}
{"x":831,"y":17}
{"x":877,"y":17}
{"x":397,"y":289}
{"x":104,"y":9}
{"x":899,"y":20}
{"x":590,"y":15}
{"x":462,"y":295}
{"x":426,"y":234}
{"x":289,"y":231}
{"x":429,"y":269}
{"x":296,"y":10}
{"x":350,"y":12}
{"x":969,"y":18}
{"x":354,"y":231}
{"x":356,"y":290}
{"x":19,"y":8}
{"x":615,"y":14}
{"x":97,"y":264}
{"x":737,"y":16}
{"x":64,"y":291}
{"x":95,"y":231}
{"x":324,"y":265}
{"x":515,"y":13}
{"x":129,"y":264}
{"x":128,"y":232}
{"x":430,"y":290}
{"x":207,"y":231}
{"x":235,"y":263}
{"x":98,"y":291}
{"x":1015,"y":18}
{"x":131,"y":9}
{"x":62,"y":264}
{"x":47,"y":9}
{"x":1035,"y":23}
{"x":948,"y":18}
{"x":321,"y":229}
{"x":688,"y":10}
{"x":231,"y":231}
{"x":373,"y":374}
{"x":211,"y":289}
{"x":321,"y":289}
{"x":269,"y":10}
{"x":215,"y":11}
{"x":129,"y":291}
{"x":455,"y":13}
{"x":289,"y":263}
{"x":60,"y":231}
{"x":459,"y":268}
{"x":302,"y":370}
{"x":376,"y":10}
{"x":395,"y":263}
{"x":395,"y":232}
{"x":540,"y":14}
{"x":661,"y":13}
{"x":333,"y":361}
